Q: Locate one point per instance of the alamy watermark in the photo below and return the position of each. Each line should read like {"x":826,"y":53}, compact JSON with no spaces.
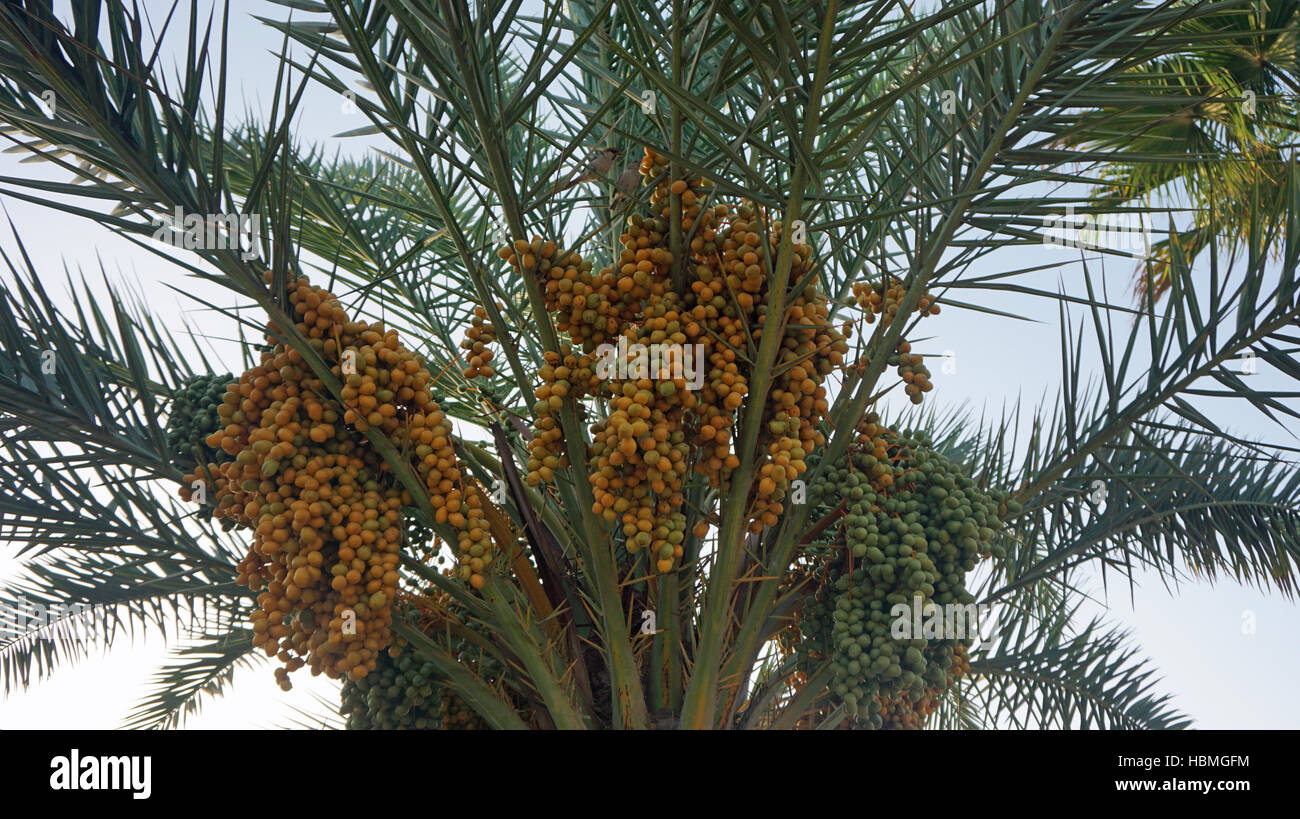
{"x":75,"y":772}
{"x":22,"y":618}
{"x":90,"y":622}
{"x":1128,"y":233}
{"x":211,"y":231}
{"x":659,"y":362}
{"x":955,"y":621}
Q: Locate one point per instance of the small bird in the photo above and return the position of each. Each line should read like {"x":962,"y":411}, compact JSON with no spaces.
{"x":597,"y":168}
{"x":626,"y":186}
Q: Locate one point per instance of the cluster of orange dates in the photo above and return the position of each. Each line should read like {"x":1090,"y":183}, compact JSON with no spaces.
{"x":668,"y":345}
{"x":322,"y":503}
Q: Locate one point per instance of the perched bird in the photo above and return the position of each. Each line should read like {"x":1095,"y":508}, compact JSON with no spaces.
{"x":597,"y":168}
{"x":600,"y":164}
{"x":626,"y":186}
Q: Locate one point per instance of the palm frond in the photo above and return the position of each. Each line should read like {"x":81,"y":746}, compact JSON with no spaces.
{"x":1041,"y":675}
{"x":200,"y":670}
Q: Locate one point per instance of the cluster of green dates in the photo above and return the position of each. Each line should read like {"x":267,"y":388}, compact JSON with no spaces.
{"x":905,"y":540}
{"x":419,"y":537}
{"x":401,"y":693}
{"x":192,"y":417}
{"x":404,"y":692}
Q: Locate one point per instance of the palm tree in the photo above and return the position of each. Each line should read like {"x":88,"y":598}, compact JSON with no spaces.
{"x":1225,"y":98}
{"x":912,"y":149}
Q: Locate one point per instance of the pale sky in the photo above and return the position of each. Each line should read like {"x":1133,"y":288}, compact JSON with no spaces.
{"x":1194,"y":637}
